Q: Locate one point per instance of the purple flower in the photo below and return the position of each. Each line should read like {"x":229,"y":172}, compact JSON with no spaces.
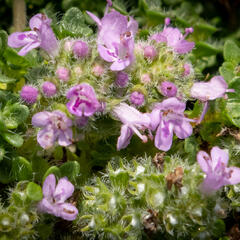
{"x":204,"y":91}
{"x":63,"y":74}
{"x":49,"y":89}
{"x":41,"y":36}
{"x":54,"y":198}
{"x":83,"y":100}
{"x":187,"y":69}
{"x":150,"y":52}
{"x":116,"y":39}
{"x":29,"y":94}
{"x":168,"y":89}
{"x":137,"y":98}
{"x":145,"y":78}
{"x":216,"y":170}
{"x":122,"y":79}
{"x":168,"y":117}
{"x":80,"y":49}
{"x":133,"y":121}
{"x":56,"y":126}
{"x":215,"y":88}
{"x":174,"y":38}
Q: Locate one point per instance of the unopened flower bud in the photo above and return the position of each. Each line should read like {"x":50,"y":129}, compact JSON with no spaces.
{"x":145,"y":78}
{"x":29,"y":94}
{"x":68,"y":46}
{"x":137,"y":98}
{"x":63,"y":73}
{"x":49,"y":89}
{"x":77,"y":70}
{"x":122,"y":79}
{"x":150,"y":52}
{"x":98,"y":70}
{"x":168,"y":89}
{"x":80,"y":49}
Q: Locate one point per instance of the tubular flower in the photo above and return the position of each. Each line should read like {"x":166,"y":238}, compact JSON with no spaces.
{"x":168,"y":117}
{"x":174,"y":38}
{"x":54,"y":198}
{"x":133,"y":121}
{"x":204,"y":91}
{"x":116,"y":39}
{"x":41,"y":36}
{"x":56,"y":126}
{"x":216,"y":170}
{"x":83,"y":100}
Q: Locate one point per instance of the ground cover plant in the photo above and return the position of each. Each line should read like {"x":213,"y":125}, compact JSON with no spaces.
{"x":111,"y":129}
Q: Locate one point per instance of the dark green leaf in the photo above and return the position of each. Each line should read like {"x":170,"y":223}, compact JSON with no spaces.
{"x":70,"y":170}
{"x":5,"y":79}
{"x":231,"y":52}
{"x":21,"y":169}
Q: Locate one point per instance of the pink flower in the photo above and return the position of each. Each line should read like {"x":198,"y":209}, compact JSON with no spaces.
{"x":41,"y":36}
{"x":216,"y":170}
{"x":116,"y":39}
{"x":174,"y":38}
{"x":83,"y":100}
{"x":168,"y":118}
{"x":29,"y":94}
{"x":54,"y":198}
{"x":133,"y":121}
{"x":56,"y":126}
{"x":63,"y":74}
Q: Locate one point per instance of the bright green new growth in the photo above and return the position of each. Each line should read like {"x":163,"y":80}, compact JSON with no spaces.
{"x":150,"y":197}
{"x":17,"y":220}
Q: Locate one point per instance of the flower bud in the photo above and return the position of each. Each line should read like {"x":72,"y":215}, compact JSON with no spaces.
{"x":137,"y":98}
{"x":68,"y":46}
{"x":29,"y":94}
{"x":63,"y":74}
{"x":80,"y":49}
{"x":49,"y":89}
{"x":122,"y":79}
{"x":145,"y":78}
{"x":150,"y":52}
{"x":168,"y":89}
{"x":98,"y":70}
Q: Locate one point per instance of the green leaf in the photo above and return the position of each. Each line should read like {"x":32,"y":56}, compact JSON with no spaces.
{"x":3,"y":41}
{"x":5,"y":79}
{"x":5,"y":170}
{"x":13,"y":58}
{"x":70,"y":170}
{"x":15,"y":114}
{"x":21,"y":169}
{"x":13,"y":139}
{"x":52,"y":170}
{"x":155,"y":17}
{"x":231,"y":52}
{"x":226,"y":70}
{"x":2,"y":153}
{"x":191,"y":147}
{"x":203,"y":49}
{"x":73,"y":24}
{"x":34,"y":192}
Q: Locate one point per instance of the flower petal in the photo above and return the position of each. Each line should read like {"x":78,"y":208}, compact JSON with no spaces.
{"x":28,"y":48}
{"x":119,"y":65}
{"x":155,"y":117}
{"x":41,"y":119}
{"x":183,"y":129}
{"x":124,"y":138}
{"x":65,"y":137}
{"x":64,"y":190}
{"x":204,"y":161}
{"x":68,"y":212}
{"x":184,"y":46}
{"x":94,"y":18}
{"x":164,"y":135}
{"x":46,"y":137}
{"x":104,"y":53}
{"x":45,"y":206}
{"x":20,"y":39}
{"x":217,"y":155}
{"x":234,"y":175}
{"x":49,"y":186}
